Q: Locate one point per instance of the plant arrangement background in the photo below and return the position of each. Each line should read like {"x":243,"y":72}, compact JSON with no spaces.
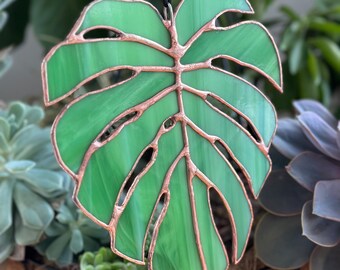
{"x":53,"y":21}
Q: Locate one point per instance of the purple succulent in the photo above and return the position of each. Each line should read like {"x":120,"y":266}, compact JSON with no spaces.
{"x":302,"y":195}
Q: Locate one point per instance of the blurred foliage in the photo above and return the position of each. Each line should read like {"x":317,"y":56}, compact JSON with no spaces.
{"x":71,"y":233}
{"x":311,"y":44}
{"x":104,"y":259}
{"x":30,"y":179}
{"x":302,"y":194}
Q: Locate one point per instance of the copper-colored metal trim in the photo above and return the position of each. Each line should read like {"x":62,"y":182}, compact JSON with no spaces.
{"x":176,"y":51}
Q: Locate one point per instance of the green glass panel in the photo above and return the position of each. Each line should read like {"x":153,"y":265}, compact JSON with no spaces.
{"x":193,"y":14}
{"x":132,"y":226}
{"x":72,"y":64}
{"x":244,"y":149}
{"x":248,"y":43}
{"x":224,"y":179}
{"x":176,"y":243}
{"x":110,"y":165}
{"x":212,"y":247}
{"x":239,"y":94}
{"x":136,"y":18}
{"x":73,"y":139}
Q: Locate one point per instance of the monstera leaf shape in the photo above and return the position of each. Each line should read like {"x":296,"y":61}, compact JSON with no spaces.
{"x":170,"y":114}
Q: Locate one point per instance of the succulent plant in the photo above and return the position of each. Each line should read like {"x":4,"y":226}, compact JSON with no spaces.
{"x":30,"y":179}
{"x":71,"y":233}
{"x":104,"y":259}
{"x":303,"y":198}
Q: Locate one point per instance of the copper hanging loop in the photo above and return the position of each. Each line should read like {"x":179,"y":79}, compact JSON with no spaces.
{"x":168,"y":11}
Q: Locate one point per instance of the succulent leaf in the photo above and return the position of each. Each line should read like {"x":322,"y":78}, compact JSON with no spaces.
{"x":290,"y":139}
{"x":327,"y":200}
{"x":35,"y":212}
{"x":279,"y":242}
{"x":322,"y":135}
{"x":282,"y":195}
{"x":309,"y":168}
{"x":306,"y":105}
{"x":325,"y":258}
{"x":319,"y":230}
{"x":6,"y":195}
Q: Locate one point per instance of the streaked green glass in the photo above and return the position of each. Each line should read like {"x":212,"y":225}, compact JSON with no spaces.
{"x":176,"y":242}
{"x":73,"y":139}
{"x":135,"y":18}
{"x":222,"y":176}
{"x":247,"y":43}
{"x":211,"y":243}
{"x":239,"y":94}
{"x":132,"y":225}
{"x":68,"y":62}
{"x":102,"y":180}
{"x":245,"y":150}
{"x":194,"y":14}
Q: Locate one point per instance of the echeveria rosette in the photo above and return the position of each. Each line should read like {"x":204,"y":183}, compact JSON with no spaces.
{"x":307,"y":191}
{"x":71,"y":233}
{"x":30,"y":178}
{"x":166,"y":110}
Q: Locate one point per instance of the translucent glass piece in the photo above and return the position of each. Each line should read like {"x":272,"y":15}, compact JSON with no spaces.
{"x":137,"y":18}
{"x":194,"y":14}
{"x":227,"y":183}
{"x":110,"y":165}
{"x":132,"y":225}
{"x":248,"y":44}
{"x":239,"y":94}
{"x":79,"y":62}
{"x":176,"y":243}
{"x":242,"y":147}
{"x":73,"y":139}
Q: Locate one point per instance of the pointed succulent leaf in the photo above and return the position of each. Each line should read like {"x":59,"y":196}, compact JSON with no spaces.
{"x":6,"y":244}
{"x":25,"y":235}
{"x":282,"y":196}
{"x":77,"y":242}
{"x":46,"y":183}
{"x":321,"y":134}
{"x":290,"y":139}
{"x":309,"y":168}
{"x":307,"y":105}
{"x":4,"y":145}
{"x":324,"y":258}
{"x":18,"y":110}
{"x":5,"y":128}
{"x":19,"y":166}
{"x":279,"y":242}
{"x":57,"y":247}
{"x":321,"y":231}
{"x":136,"y":146}
{"x":55,"y":229}
{"x":65,"y":215}
{"x":327,"y":200}
{"x":6,"y":195}
{"x":35,"y":212}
